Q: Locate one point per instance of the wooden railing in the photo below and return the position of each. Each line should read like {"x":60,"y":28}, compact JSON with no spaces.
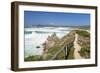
{"x":66,"y":49}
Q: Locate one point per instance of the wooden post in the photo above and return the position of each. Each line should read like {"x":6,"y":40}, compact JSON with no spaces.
{"x":65,"y":51}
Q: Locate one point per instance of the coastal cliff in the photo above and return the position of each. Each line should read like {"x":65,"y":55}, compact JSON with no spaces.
{"x":53,"y":44}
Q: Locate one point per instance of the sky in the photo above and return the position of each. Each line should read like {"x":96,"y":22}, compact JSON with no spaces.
{"x":55,"y":18}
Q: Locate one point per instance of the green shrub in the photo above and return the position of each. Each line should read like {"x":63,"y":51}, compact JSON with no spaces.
{"x":85,"y":52}
{"x":83,"y":33}
{"x":33,"y":58}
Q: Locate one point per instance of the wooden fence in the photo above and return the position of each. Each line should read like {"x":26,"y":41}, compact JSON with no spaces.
{"x":66,"y":49}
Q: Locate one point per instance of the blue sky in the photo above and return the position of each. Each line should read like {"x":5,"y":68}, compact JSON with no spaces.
{"x":56,"y":18}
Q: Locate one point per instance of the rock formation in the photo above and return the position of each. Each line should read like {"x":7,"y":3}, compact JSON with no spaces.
{"x":51,"y":41}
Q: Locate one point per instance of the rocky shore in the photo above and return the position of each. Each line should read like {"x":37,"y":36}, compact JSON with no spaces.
{"x":74,"y":45}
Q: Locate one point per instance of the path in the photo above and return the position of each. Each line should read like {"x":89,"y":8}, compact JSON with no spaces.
{"x":77,"y":48}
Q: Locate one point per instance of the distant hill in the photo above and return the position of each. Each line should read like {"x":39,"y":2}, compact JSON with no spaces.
{"x":52,"y":25}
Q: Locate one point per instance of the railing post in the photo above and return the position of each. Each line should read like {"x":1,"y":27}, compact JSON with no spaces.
{"x":65,"y":52}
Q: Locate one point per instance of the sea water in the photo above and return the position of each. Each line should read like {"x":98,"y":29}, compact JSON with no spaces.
{"x":35,"y":37}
